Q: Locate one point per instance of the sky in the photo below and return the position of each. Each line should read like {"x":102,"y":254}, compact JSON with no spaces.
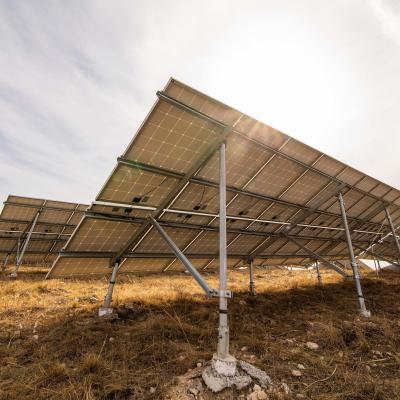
{"x":78,"y":77}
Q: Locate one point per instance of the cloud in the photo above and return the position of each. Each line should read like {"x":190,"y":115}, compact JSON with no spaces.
{"x":388,"y":14}
{"x":77,"y":79}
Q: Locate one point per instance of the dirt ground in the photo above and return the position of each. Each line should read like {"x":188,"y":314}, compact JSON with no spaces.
{"x":53,"y":345}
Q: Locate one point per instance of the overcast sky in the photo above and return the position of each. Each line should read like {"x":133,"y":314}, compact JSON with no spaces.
{"x":78,"y":77}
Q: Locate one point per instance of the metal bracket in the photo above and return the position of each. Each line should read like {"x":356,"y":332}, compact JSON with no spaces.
{"x":221,"y":293}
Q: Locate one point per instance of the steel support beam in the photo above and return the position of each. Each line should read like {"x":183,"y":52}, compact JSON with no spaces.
{"x":223,"y":339}
{"x":251,"y":277}
{"x":5,"y":261}
{"x":222,"y":361}
{"x":199,"y":181}
{"x":91,"y":254}
{"x":318,"y":272}
{"x":183,"y":259}
{"x":106,"y":309}
{"x":63,"y":229}
{"x":18,"y":261}
{"x":396,"y":240}
{"x":316,"y":255}
{"x":363,"y":311}
{"x":375,"y":254}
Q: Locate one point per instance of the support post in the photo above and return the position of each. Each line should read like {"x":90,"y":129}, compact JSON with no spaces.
{"x":223,"y":363}
{"x":363,"y":311}
{"x":106,"y":309}
{"x":396,"y":240}
{"x":20,"y":256}
{"x":318,"y":272}
{"x":5,"y":262}
{"x":251,"y":276}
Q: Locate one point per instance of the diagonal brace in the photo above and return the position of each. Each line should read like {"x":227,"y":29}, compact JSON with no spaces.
{"x":375,"y":254}
{"x":21,"y":254}
{"x":396,"y":240}
{"x":184,"y":260}
{"x":316,"y":255}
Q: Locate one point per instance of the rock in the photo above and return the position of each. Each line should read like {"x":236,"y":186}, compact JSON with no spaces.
{"x":296,"y":372}
{"x":285,"y":387}
{"x":312,"y":345}
{"x":244,"y":348}
{"x":301,"y":366}
{"x":300,"y":396}
{"x":152,"y":390}
{"x":216,"y":382}
{"x":261,"y":395}
{"x":194,"y":391}
{"x":17,"y":333}
{"x":35,"y":337}
{"x":111,"y":339}
{"x":252,"y":396}
{"x":257,"y":388}
{"x":341,"y":354}
{"x":199,"y":364}
{"x":377,"y":353}
{"x":181,"y":358}
{"x":93,"y":299}
{"x":256,"y":373}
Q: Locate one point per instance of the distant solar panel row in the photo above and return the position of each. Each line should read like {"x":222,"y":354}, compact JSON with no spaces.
{"x":278,"y":189}
{"x":55,"y":224}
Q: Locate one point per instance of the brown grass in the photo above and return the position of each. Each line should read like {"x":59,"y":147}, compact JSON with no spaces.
{"x":76,"y":355}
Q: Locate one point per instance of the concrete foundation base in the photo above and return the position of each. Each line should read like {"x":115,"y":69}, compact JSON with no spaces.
{"x":224,"y":366}
{"x":365,"y":314}
{"x":105,"y":311}
{"x":244,"y":374}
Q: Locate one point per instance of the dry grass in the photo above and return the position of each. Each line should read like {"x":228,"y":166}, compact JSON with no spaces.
{"x":75,"y":355}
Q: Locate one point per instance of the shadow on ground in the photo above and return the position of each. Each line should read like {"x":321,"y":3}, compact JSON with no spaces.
{"x":76,"y":355}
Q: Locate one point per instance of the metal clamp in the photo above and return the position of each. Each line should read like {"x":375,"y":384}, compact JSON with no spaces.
{"x":224,"y":293}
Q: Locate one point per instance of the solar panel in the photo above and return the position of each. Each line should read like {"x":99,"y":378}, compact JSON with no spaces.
{"x":54,"y":225}
{"x":276,"y":186}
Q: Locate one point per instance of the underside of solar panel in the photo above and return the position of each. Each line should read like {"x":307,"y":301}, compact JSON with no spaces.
{"x":282,"y":205}
{"x":50,"y":222}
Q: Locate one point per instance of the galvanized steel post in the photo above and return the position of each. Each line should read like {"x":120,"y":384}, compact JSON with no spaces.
{"x":223,"y":328}
{"x":20,"y":256}
{"x":106,"y":309}
{"x":251,"y":273}
{"x":396,"y":240}
{"x":5,"y":262}
{"x":363,"y":311}
{"x":318,"y":272}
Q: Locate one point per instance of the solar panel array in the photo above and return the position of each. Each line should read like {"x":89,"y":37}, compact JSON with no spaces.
{"x":55,"y":224}
{"x":278,"y":189}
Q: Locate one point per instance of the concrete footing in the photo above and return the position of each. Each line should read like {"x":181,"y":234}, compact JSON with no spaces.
{"x":224,"y":366}
{"x":231,"y":372}
{"x":365,"y":313}
{"x":105,"y":311}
